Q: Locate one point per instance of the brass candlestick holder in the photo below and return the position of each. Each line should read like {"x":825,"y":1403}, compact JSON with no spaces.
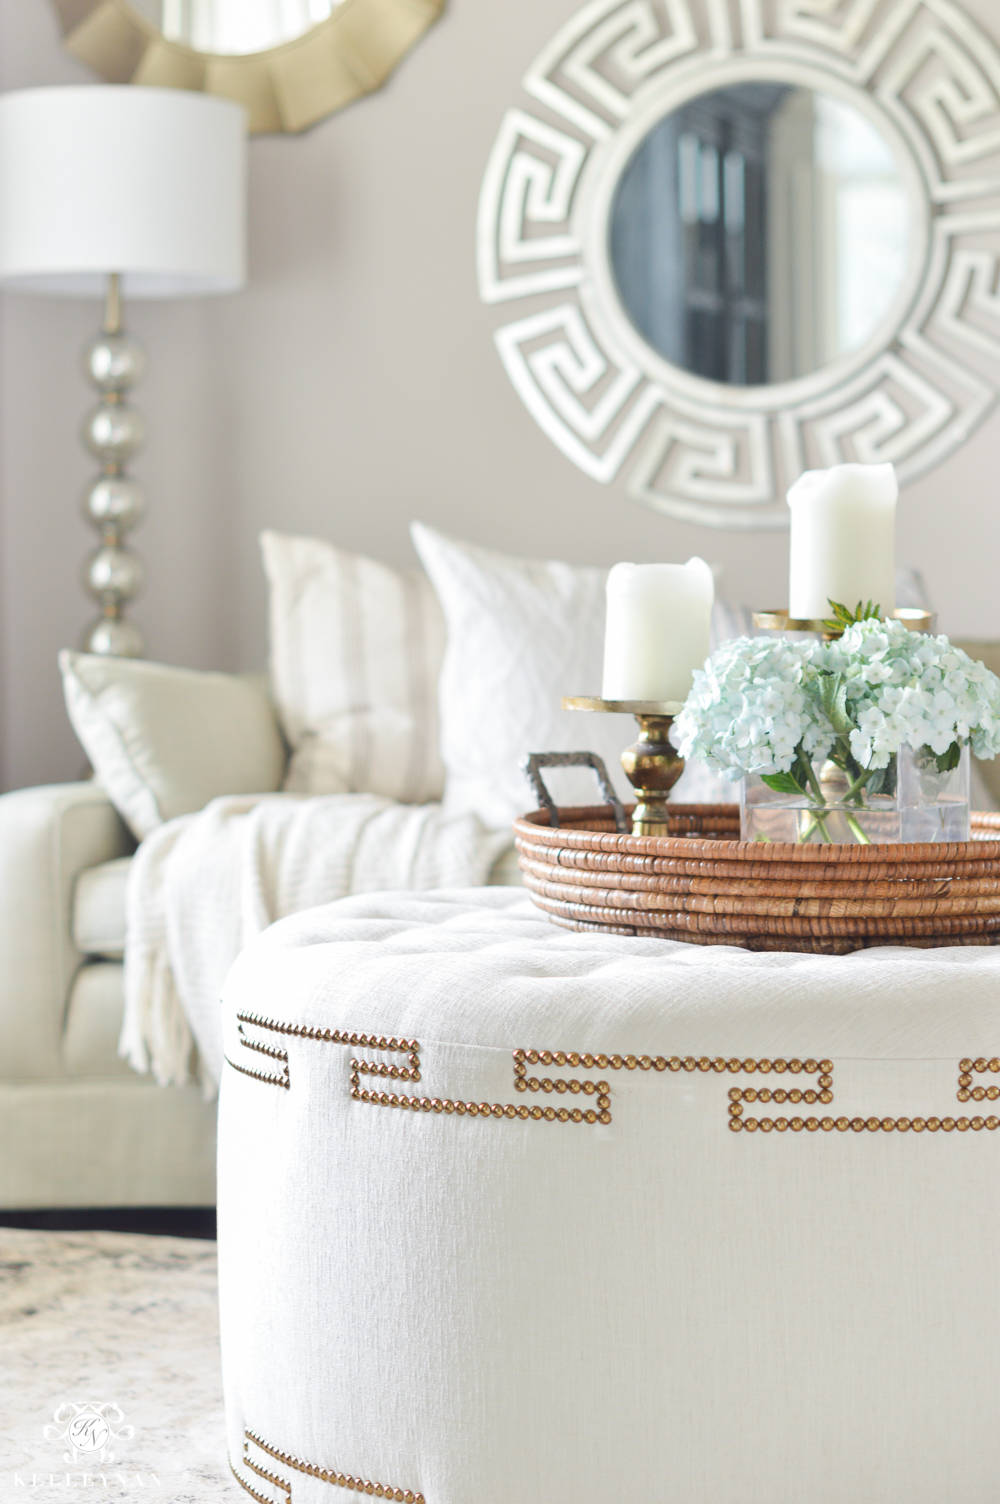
{"x":780,"y":621}
{"x":651,"y":764}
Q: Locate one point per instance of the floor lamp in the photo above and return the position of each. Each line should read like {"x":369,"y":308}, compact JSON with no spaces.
{"x":122,"y":193}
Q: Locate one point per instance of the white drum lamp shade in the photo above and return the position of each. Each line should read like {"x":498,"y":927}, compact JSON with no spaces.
{"x":149,"y":183}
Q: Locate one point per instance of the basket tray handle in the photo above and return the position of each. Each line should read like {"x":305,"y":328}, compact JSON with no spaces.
{"x":532,"y":765}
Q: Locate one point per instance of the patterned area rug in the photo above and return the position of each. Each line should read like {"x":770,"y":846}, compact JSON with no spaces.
{"x":109,"y":1376}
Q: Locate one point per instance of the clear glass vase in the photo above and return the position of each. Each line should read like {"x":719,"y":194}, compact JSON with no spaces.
{"x":917,"y":803}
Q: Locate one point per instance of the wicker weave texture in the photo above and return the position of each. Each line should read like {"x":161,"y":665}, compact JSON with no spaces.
{"x":704,"y":885}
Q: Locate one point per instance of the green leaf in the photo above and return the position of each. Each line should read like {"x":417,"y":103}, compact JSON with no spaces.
{"x":843,"y":617}
{"x":875,"y":782}
{"x":880,"y":780}
{"x":837,"y":712}
{"x":782,"y":783}
{"x":948,"y":760}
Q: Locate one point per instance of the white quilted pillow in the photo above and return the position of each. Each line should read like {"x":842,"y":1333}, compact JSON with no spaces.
{"x":521,"y":634}
{"x":356,"y":650}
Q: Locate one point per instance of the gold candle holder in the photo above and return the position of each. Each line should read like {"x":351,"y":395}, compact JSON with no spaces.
{"x":651,"y":764}
{"x":780,"y":621}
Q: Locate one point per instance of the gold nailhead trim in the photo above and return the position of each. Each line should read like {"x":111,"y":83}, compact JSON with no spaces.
{"x":382,"y":1068}
{"x":968,"y":1091}
{"x":271,"y":1051}
{"x":738,"y":1122}
{"x":522,"y":1083}
{"x":262,"y":1472}
{"x":822,"y":1070}
{"x":408,"y":1047}
{"x":326,"y":1475}
{"x":285,"y":1486}
{"x":486,"y":1109}
{"x":332,"y":1036}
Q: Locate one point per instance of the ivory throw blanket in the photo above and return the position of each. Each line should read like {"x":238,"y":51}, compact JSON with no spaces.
{"x":202,"y":886}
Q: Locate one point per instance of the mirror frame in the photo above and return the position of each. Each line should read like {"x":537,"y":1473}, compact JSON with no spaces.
{"x":702,"y":451}
{"x":285,"y":88}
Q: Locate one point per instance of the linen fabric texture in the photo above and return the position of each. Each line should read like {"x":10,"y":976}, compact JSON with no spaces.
{"x":164,"y":741}
{"x":356,"y":650}
{"x":483,"y":1308}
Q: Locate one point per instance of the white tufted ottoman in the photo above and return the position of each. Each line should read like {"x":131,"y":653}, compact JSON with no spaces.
{"x":760,"y":1264}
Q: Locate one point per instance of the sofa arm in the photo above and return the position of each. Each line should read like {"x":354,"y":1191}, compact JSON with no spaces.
{"x":48,"y":836}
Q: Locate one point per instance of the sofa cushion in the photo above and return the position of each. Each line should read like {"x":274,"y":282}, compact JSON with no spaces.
{"x":99,"y":909}
{"x":94,"y":1022}
{"x":166,"y":741}
{"x":356,"y":650}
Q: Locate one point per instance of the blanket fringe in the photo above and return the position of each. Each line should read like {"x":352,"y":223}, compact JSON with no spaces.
{"x":157,"y":1038}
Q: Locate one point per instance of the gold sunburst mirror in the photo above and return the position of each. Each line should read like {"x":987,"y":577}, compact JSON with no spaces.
{"x":289,"y":62}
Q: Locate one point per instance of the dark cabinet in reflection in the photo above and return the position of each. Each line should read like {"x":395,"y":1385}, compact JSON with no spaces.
{"x":688,"y":234}
{"x":758,"y":232}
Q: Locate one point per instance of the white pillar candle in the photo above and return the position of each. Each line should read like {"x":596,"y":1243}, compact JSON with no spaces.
{"x":843,"y":543}
{"x":657,"y":629}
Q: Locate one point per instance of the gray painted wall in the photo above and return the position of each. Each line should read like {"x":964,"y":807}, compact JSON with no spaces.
{"x":352,"y":387}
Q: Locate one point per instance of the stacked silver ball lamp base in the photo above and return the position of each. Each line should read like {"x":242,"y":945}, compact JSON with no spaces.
{"x":113,"y":432}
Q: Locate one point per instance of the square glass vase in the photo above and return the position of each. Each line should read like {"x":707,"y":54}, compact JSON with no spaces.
{"x":917,"y":803}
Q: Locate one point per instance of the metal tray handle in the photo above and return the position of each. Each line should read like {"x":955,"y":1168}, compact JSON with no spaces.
{"x":532,"y":765}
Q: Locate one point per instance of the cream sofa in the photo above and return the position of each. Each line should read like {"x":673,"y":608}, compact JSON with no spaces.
{"x":78,"y":1127}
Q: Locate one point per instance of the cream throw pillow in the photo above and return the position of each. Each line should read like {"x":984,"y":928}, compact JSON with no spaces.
{"x":356,"y":650}
{"x":166,"y":741}
{"x":521,"y":634}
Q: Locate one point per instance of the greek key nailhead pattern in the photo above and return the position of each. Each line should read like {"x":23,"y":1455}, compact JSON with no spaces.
{"x":816,"y":1090}
{"x":249,"y":1488}
{"x":325,"y":1474}
{"x":271,"y":1051}
{"x":261,"y":1472}
{"x":968,"y":1091}
{"x":600,"y":1090}
{"x":408,"y":1047}
{"x":820,"y":1092}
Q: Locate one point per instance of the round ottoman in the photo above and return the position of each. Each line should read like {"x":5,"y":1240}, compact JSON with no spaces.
{"x":508,"y":1213}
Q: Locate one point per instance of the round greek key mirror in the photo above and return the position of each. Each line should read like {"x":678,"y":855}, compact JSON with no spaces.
{"x":761,"y":232}
{"x":731,"y":244}
{"x":289,"y":62}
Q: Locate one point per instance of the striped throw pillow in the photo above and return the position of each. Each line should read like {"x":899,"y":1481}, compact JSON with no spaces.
{"x":356,"y":650}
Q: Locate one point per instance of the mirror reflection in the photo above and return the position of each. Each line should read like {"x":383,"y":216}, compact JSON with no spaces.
{"x":759,"y":232}
{"x":234,"y":26}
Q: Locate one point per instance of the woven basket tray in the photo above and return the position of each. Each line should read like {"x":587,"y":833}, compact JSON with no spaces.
{"x":704,"y":885}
